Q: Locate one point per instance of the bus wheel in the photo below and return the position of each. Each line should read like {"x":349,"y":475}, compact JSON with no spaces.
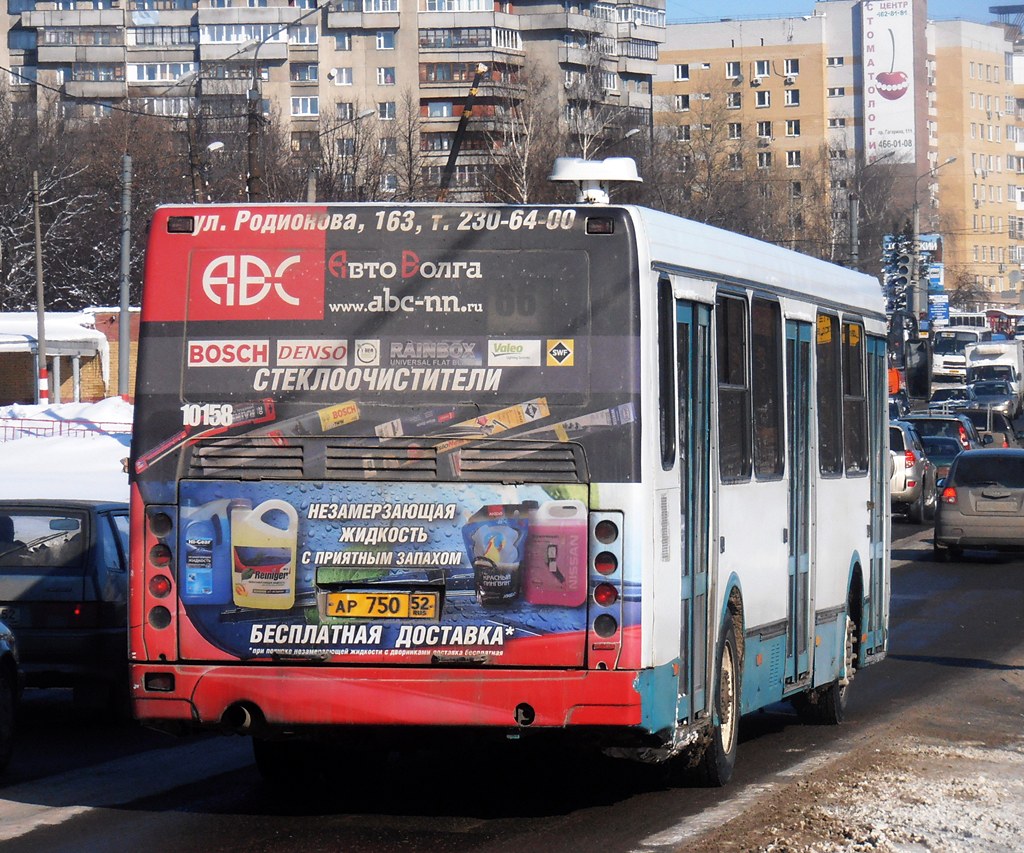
{"x":719,"y":758}
{"x":827,"y":706}
{"x":281,"y":760}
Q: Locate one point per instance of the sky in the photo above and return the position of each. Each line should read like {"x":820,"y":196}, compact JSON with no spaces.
{"x":88,"y":468}
{"x":683,"y":10}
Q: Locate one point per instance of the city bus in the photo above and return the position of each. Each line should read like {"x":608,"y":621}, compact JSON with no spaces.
{"x":587,"y":472}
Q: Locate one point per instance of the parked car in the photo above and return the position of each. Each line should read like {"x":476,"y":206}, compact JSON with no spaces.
{"x":947,"y":399}
{"x":912,"y":483}
{"x":981,"y":503}
{"x":997,"y":425}
{"x":10,"y":691}
{"x":994,"y":394}
{"x":941,"y":452}
{"x":63,"y":589}
{"x":957,"y":426}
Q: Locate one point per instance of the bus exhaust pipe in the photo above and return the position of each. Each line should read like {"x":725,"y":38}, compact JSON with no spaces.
{"x":238,"y":719}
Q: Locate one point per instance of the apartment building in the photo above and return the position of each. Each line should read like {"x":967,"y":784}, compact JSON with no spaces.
{"x":329,"y":62}
{"x":866,"y":82}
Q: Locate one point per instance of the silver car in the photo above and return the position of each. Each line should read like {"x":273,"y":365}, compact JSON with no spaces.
{"x":981,"y":504}
{"x":992,"y":394}
{"x":912,"y":484}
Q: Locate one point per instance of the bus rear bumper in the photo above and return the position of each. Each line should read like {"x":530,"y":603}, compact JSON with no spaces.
{"x":292,"y":697}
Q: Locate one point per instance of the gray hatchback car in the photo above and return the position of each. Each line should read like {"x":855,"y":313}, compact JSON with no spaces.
{"x":981,"y":503}
{"x":64,"y":592}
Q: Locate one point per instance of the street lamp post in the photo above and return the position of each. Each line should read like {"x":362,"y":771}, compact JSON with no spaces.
{"x":919,"y":300}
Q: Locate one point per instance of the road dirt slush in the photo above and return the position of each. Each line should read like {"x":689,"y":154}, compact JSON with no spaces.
{"x":948,"y":776}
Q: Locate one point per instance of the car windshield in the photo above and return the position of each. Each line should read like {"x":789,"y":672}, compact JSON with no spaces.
{"x":941,"y":448}
{"x":974,"y":469}
{"x":991,"y":389}
{"x":895,"y":438}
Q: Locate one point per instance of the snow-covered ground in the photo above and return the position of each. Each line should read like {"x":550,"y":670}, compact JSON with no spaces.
{"x":63,"y":466}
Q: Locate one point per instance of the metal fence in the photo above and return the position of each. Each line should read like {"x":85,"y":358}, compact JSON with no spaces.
{"x":14,"y":428}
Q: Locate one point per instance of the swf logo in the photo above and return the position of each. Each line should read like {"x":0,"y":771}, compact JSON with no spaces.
{"x":271,"y":284}
{"x":242,"y":280}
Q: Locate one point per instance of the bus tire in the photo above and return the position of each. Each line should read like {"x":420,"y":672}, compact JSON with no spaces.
{"x":827,"y":705}
{"x":281,"y":760}
{"x":719,"y":757}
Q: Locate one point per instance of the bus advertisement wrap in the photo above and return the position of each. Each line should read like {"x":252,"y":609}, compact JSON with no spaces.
{"x":311,"y":569}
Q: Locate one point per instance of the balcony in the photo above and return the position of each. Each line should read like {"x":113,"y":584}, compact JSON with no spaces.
{"x":69,"y":53}
{"x":106,"y":90}
{"x":269,"y":51}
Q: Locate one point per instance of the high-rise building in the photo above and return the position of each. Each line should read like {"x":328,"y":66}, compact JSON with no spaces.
{"x":333,"y":61}
{"x":871,"y":85}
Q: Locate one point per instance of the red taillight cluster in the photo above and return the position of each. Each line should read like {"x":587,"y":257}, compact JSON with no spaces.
{"x":964,"y":440}
{"x":606,"y":579}
{"x":948,"y":495}
{"x":909,"y":459}
{"x":159,"y":558}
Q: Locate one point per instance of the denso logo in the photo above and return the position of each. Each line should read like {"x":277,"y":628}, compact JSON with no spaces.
{"x":274,"y":284}
{"x":304,"y":353}
{"x":245,"y":280}
{"x":228,"y":353}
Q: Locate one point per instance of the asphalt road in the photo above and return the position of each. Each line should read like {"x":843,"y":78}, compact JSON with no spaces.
{"x":79,"y":783}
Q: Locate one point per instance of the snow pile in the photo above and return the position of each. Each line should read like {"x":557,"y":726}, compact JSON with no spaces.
{"x":66,"y":467}
{"x":943,"y":797}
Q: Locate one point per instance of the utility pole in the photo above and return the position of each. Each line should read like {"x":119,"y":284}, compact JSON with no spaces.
{"x":43,"y":390}
{"x":124,"y":326}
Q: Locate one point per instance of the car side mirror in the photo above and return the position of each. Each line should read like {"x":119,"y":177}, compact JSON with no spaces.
{"x":987,"y":439}
{"x":940,"y":484}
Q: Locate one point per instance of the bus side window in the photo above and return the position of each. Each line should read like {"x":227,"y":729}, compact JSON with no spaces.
{"x":733,"y":387}
{"x":830,"y":415}
{"x":667,"y":373}
{"x":855,"y":419}
{"x":766,"y":372}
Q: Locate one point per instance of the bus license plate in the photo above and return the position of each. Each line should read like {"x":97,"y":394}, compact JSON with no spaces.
{"x":383,"y":605}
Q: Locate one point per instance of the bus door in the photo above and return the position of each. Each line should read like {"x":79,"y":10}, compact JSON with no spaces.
{"x":694,"y":377}
{"x":877,"y":591}
{"x":798,"y":393}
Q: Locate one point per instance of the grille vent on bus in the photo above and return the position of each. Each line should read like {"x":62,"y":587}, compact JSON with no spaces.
{"x":412,"y":459}
{"x":247,"y":459}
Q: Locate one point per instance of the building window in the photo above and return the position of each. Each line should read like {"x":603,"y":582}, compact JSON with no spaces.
{"x":734,"y":100}
{"x":836,"y":153}
{"x":835,"y":61}
{"x":389,"y":183}
{"x":764,"y":159}
{"x":389,"y":146}
{"x":386,"y":76}
{"x":836,"y":91}
{"x":304,"y":72}
{"x":683,"y":133}
{"x":762,"y":99}
{"x":343,"y":41}
{"x":344,"y":110}
{"x":306,"y":106}
{"x":796,"y":190}
{"x":793,"y":127}
{"x":340,"y":76}
{"x":762,"y":68}
{"x":735,"y":130}
{"x":764,"y":130}
{"x":792,"y":159}
{"x":385,"y":40}
{"x":792,"y":97}
{"x":791,"y":67}
{"x":837,"y":122}
{"x":682,"y":72}
{"x":439,"y":109}
{"x":732,"y":70}
{"x":735,"y":161}
{"x":386,"y":110}
{"x":682,"y":103}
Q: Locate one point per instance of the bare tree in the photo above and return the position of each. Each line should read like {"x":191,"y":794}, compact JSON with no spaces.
{"x":524,"y":138}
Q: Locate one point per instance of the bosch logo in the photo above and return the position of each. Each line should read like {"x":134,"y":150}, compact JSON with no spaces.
{"x":243,"y":280}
